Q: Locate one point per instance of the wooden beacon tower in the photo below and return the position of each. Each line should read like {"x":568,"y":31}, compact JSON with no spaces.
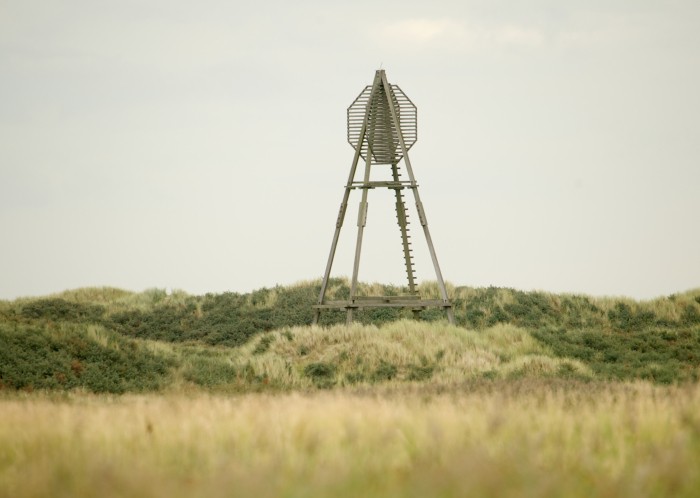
{"x":382,"y":128}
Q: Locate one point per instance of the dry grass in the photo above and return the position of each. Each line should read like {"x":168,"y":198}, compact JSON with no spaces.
{"x":529,"y":438}
{"x":397,"y":352}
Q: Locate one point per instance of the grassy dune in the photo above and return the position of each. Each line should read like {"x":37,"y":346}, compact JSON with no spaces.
{"x":532,"y":394}
{"x":110,"y":340}
{"x":519,"y":438}
{"x":395,"y":353}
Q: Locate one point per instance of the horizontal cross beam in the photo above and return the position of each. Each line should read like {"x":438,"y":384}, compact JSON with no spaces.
{"x":406,"y":302}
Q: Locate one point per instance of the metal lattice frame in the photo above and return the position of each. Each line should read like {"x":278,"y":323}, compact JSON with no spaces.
{"x":382,"y":127}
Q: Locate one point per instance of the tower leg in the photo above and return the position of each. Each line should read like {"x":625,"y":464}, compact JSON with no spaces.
{"x":331,"y":256}
{"x":361,"y":222}
{"x":433,"y":256}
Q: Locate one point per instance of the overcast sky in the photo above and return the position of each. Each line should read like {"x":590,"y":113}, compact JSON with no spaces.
{"x":202,"y":145}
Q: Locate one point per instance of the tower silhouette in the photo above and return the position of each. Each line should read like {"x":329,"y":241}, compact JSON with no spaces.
{"x":382,"y":127}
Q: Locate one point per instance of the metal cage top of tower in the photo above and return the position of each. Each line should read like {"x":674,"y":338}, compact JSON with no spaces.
{"x":381,"y":136}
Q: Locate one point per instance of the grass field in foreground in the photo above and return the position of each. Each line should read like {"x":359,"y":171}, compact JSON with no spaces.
{"x":530,"y":437}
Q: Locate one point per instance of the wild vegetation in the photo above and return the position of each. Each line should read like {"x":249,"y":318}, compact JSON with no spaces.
{"x":537,"y":438}
{"x":110,"y":340}
{"x":110,"y":393}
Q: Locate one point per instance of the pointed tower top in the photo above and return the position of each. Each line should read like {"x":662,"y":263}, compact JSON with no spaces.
{"x":376,"y":118}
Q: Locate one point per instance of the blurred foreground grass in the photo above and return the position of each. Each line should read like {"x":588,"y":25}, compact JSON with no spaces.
{"x":527,"y":437}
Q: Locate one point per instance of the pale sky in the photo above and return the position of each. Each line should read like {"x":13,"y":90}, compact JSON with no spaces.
{"x":202,"y":145}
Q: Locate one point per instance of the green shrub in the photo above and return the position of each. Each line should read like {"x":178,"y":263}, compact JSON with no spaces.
{"x":420,"y":372}
{"x":385,"y":371}
{"x":67,"y":357}
{"x":654,"y":354}
{"x":319,"y":370}
{"x":55,"y":309}
{"x":623,"y":317}
{"x":354,"y":377}
{"x":690,"y":315}
{"x":323,"y":374}
{"x":209,"y":371}
{"x":263,"y":344}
